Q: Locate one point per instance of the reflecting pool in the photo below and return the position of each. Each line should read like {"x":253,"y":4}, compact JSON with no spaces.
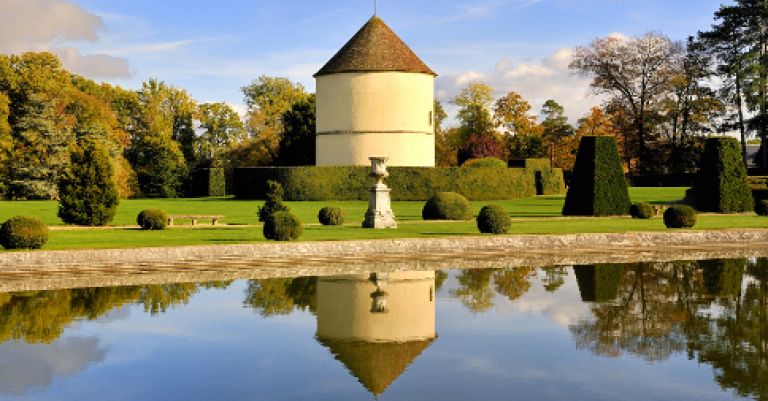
{"x":646,"y":331}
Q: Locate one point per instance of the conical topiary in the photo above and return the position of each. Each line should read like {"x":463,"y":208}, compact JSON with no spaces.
{"x":721,"y":184}
{"x":598,"y":186}
{"x":88,"y":193}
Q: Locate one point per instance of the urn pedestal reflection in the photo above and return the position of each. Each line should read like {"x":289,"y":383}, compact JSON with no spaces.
{"x":376,"y":324}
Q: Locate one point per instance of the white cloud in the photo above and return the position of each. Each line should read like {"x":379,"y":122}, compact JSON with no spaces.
{"x":25,"y":366}
{"x":535,"y":80}
{"x":93,"y":65}
{"x":44,"y":25}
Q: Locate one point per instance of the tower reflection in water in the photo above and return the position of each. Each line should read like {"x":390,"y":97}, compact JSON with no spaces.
{"x":376,"y":324}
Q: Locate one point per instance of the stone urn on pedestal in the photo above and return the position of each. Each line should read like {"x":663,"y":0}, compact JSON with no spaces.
{"x":379,"y":214}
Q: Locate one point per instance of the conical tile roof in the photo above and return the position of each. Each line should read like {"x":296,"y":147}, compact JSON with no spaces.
{"x":375,"y":47}
{"x":376,"y":365}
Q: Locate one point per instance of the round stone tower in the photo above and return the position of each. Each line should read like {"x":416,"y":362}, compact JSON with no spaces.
{"x":375,"y":97}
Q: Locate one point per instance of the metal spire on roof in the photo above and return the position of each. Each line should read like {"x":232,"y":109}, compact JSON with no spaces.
{"x":374,"y":7}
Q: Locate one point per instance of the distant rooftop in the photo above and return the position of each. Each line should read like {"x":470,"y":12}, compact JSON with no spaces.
{"x":375,"y":47}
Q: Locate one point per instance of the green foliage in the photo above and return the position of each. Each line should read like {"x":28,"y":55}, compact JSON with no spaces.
{"x":22,"y":232}
{"x":274,"y":201}
{"x":160,"y":166}
{"x":493,"y":219}
{"x":680,"y":216}
{"x":723,"y":277}
{"x":407,"y":183}
{"x":529,"y":146}
{"x":598,"y":187}
{"x":282,"y":226}
{"x":88,"y":193}
{"x":721,"y":184}
{"x":485,"y":162}
{"x":297,"y":144}
{"x":599,"y":283}
{"x":208,"y":182}
{"x":761,"y":207}
{"x":447,"y":206}
{"x":152,"y":219}
{"x":641,"y":210}
{"x":331,"y":216}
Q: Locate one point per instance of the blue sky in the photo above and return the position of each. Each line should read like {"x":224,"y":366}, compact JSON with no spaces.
{"x":214,"y":48}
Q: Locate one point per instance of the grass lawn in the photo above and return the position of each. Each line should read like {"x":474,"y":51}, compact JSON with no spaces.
{"x":537,"y":215}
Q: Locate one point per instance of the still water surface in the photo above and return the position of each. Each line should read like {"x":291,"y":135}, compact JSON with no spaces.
{"x":652,"y":331}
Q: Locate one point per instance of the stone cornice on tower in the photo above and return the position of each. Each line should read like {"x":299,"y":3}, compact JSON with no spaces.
{"x":375,"y":48}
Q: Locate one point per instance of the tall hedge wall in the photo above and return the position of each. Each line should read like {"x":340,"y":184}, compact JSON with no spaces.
{"x":407,"y":183}
{"x":599,"y":283}
{"x":598,"y":186}
{"x":208,"y":182}
{"x":721,"y":185}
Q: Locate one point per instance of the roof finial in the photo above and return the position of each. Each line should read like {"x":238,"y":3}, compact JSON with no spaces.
{"x":374,"y":8}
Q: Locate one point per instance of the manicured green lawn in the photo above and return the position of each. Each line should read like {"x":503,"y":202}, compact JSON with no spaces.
{"x":538,"y":215}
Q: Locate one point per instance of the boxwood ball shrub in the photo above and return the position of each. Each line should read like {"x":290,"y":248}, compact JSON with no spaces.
{"x":680,"y":216}
{"x":23,"y":232}
{"x":152,"y":219}
{"x":761,"y":207}
{"x":331,"y":216}
{"x":282,"y":226}
{"x":493,"y":219}
{"x":598,"y":186}
{"x":721,"y":184}
{"x":641,"y":210}
{"x":447,"y":206}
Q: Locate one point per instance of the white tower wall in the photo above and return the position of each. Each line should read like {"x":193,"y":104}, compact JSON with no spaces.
{"x":360,"y":115}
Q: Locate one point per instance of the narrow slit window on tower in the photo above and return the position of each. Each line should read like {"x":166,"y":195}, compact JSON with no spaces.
{"x":430,"y":118}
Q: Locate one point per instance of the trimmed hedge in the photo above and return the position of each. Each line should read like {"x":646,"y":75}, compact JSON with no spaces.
{"x":721,"y":185}
{"x":447,"y":206}
{"x":315,"y":183}
{"x":493,"y":219}
{"x":282,"y":226}
{"x":641,"y":210}
{"x":598,"y":187}
{"x":152,"y":219}
{"x":23,"y":232}
{"x":208,"y":182}
{"x":680,"y":216}
{"x":599,"y":283}
{"x":331,"y":216}
{"x":761,"y":207}
{"x":485,"y":162}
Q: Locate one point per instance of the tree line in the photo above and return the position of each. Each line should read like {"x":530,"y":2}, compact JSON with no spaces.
{"x":154,"y":136}
{"x":662,"y":97}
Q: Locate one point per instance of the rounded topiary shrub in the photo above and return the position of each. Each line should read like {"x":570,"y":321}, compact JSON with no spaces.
{"x":22,"y":232}
{"x":331,"y":216}
{"x":282,"y":226}
{"x":152,"y":219}
{"x":680,"y":216}
{"x":493,"y":219}
{"x":641,"y":210}
{"x":447,"y":206}
{"x":761,"y":207}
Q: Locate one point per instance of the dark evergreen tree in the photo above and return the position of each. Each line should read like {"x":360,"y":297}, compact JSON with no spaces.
{"x":721,"y":184}
{"x":598,"y":186}
{"x":88,"y":193}
{"x":297,"y":145}
{"x":274,"y":201}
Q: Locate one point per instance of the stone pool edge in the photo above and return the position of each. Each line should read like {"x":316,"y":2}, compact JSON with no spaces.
{"x":659,"y":241}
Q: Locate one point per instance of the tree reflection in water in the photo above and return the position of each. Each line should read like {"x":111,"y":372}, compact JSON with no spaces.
{"x":711,"y":310}
{"x":42,"y":316}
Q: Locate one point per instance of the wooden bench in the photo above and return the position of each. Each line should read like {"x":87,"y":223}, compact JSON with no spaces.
{"x":194,"y":218}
